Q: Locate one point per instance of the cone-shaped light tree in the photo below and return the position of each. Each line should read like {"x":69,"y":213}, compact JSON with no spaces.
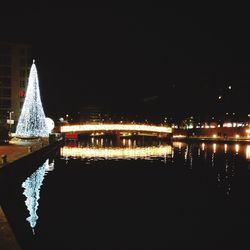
{"x":32,"y":122}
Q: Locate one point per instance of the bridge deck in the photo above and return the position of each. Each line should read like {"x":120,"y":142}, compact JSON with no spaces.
{"x":116,"y":127}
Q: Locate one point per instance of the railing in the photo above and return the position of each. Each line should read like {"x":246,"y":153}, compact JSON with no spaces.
{"x":116,"y":127}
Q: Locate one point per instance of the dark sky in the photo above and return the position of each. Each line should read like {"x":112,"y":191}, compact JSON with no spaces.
{"x":172,"y":59}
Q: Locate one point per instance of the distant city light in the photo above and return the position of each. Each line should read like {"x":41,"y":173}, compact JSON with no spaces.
{"x":229,"y":87}
{"x":219,"y":97}
{"x":179,"y":136}
{"x":190,"y":126}
{"x":228,"y":125}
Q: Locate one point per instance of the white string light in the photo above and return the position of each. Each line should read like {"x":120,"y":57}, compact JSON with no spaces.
{"x":117,"y":127}
{"x":31,"y":122}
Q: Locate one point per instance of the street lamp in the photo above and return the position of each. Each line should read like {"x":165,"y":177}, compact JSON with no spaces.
{"x":10,"y":120}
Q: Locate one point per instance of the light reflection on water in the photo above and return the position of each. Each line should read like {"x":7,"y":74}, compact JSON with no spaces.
{"x":202,"y":170}
{"x":221,"y":157}
{"x":117,"y":153}
{"x":32,"y":186}
{"x":248,"y":152}
{"x":135,"y":149}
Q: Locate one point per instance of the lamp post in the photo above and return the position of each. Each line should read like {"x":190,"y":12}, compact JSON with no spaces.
{"x":10,"y":120}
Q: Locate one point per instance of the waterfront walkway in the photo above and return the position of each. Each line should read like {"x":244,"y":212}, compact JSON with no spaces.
{"x":14,"y":152}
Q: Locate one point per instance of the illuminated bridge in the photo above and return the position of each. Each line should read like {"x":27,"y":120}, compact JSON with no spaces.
{"x":118,"y":129}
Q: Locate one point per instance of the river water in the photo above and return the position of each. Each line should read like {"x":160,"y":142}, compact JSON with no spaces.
{"x":100,"y":193}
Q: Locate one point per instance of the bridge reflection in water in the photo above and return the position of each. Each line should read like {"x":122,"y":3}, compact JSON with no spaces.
{"x":140,"y":149}
{"x":117,"y":153}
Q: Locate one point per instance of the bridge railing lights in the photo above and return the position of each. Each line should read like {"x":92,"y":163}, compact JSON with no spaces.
{"x":115,"y":127}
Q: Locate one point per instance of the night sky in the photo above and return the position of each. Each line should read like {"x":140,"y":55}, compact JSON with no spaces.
{"x":173,"y":60}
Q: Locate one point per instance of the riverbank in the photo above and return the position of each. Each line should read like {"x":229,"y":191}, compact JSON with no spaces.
{"x":17,"y":148}
{"x":13,"y":152}
{"x":24,"y":157}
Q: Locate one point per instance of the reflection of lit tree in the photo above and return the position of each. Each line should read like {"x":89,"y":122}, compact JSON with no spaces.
{"x":32,"y":187}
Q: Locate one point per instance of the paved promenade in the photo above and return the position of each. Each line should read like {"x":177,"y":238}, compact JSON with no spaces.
{"x":14,"y":152}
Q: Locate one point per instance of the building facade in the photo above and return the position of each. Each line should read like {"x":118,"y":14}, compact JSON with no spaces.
{"x":91,"y":114}
{"x":15,"y":62}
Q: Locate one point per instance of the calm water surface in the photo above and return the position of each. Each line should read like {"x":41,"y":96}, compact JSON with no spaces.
{"x":102,"y":193}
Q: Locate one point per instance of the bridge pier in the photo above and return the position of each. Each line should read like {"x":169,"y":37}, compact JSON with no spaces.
{"x":118,"y":141}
